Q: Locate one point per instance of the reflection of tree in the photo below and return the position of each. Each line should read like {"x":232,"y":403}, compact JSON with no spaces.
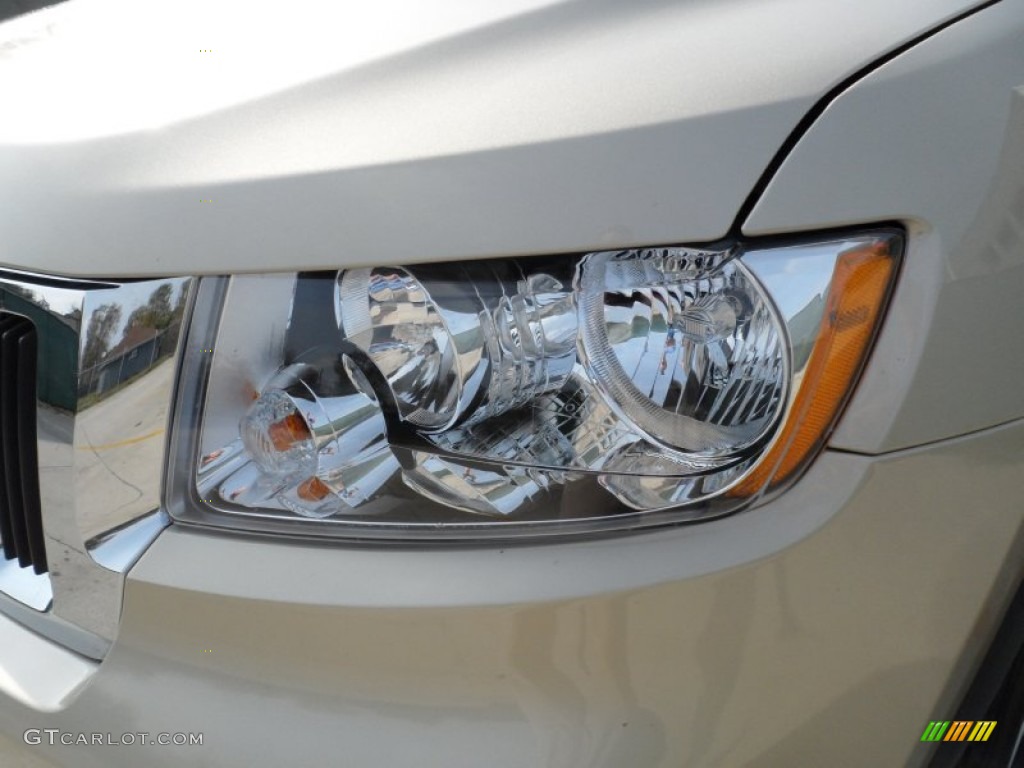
{"x":157,"y":312}
{"x":102,"y":324}
{"x":179,"y":307}
{"x":28,"y":294}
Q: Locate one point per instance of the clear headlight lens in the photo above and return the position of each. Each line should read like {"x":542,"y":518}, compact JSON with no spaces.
{"x":618,"y":389}
{"x":687,"y":347}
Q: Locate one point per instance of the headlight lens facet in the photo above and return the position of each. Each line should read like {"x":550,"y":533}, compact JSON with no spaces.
{"x":614,"y":390}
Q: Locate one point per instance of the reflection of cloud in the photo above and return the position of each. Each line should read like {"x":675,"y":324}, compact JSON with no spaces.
{"x":797,"y":275}
{"x":792,"y":267}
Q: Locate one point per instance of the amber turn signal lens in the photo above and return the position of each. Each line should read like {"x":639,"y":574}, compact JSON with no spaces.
{"x":855,"y":304}
{"x":313,"y":489}
{"x":288,"y":431}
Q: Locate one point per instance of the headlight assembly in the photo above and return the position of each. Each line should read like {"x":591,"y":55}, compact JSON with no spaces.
{"x":615,"y":390}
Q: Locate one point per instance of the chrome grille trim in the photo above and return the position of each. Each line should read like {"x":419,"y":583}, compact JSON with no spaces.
{"x":105,"y":375}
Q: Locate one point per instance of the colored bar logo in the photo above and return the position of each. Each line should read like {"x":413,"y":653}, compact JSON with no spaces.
{"x":958,"y":730}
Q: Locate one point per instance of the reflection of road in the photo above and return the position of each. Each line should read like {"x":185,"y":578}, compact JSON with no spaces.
{"x":117,"y":455}
{"x":54,"y":432}
{"x":119,"y":452}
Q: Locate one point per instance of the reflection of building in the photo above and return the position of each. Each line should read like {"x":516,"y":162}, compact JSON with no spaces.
{"x":140,"y":348}
{"x":136,"y":351}
{"x":57,"y":337}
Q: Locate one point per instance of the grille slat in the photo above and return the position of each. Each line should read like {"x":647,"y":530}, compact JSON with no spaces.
{"x":7,"y":510}
{"x":28,"y":449}
{"x":21,"y":527}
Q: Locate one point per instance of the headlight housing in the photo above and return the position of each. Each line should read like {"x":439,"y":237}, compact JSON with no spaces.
{"x":618,"y":389}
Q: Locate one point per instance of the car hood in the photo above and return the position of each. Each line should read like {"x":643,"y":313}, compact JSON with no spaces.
{"x":196,"y":137}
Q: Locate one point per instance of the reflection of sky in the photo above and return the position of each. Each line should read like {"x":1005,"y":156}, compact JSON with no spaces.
{"x":60,"y":300}
{"x":129,"y":296}
{"x":795,"y":275}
